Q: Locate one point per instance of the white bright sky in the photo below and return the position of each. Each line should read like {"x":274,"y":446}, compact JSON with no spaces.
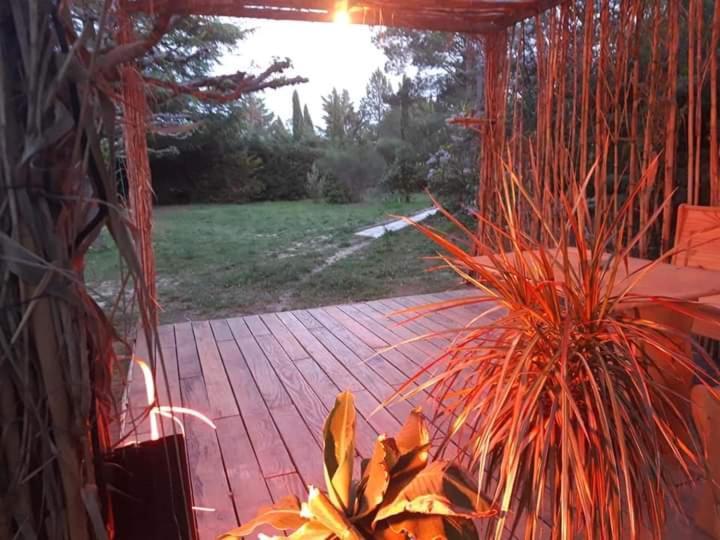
{"x":330,"y":55}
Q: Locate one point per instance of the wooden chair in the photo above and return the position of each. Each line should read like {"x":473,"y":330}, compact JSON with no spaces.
{"x":697,"y":238}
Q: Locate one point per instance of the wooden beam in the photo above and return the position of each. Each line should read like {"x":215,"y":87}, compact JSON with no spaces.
{"x":468,"y":16}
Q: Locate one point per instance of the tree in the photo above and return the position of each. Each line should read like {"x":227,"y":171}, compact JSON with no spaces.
{"x":404,"y":99}
{"x":297,"y":117}
{"x":255,"y":113}
{"x":308,"y":126}
{"x":374,"y":105}
{"x":339,"y":116}
{"x":447,"y":64}
{"x":279,"y":131}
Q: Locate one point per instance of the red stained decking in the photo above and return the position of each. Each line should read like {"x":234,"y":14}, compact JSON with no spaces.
{"x":268,"y":381}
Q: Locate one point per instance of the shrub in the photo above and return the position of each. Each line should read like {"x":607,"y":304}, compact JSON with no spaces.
{"x":351,"y":170}
{"x":390,"y":147}
{"x":399,"y":495}
{"x":403,"y":176}
{"x":572,"y":393}
{"x":314,"y":183}
{"x":285,"y":165}
{"x":452,"y":176}
{"x":335,"y":191}
{"x":204,"y":175}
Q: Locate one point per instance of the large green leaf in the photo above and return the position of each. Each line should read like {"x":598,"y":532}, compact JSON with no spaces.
{"x":321,"y":509}
{"x":283,"y":515}
{"x":312,"y":530}
{"x":424,"y":527}
{"x":339,"y":451}
{"x":439,"y":489}
{"x":413,"y":434}
{"x":376,"y":476}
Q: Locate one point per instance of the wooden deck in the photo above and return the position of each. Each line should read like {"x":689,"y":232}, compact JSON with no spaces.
{"x":268,"y":381}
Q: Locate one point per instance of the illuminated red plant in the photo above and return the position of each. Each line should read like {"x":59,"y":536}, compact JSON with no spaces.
{"x":567,"y":393}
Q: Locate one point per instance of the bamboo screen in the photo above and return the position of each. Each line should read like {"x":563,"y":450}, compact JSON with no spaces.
{"x":623,"y":89}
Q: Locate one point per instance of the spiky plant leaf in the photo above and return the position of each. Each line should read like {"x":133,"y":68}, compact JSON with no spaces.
{"x":574,"y":396}
{"x":283,"y":515}
{"x":339,"y":450}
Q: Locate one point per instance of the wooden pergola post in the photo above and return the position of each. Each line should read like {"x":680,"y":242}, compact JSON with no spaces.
{"x":135,"y":110}
{"x":492,"y":130}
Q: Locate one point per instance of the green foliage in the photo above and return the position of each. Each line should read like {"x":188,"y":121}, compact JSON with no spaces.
{"x":400,"y":494}
{"x":341,"y":121}
{"x":297,"y":117}
{"x":314,"y":183}
{"x":227,"y":162}
{"x":452,"y":176}
{"x":374,"y":105}
{"x":284,"y":167}
{"x":255,"y":114}
{"x":308,"y":126}
{"x":390,"y":147}
{"x":447,"y":64}
{"x":350,"y":172}
{"x":334,"y":190}
{"x":403,"y":176}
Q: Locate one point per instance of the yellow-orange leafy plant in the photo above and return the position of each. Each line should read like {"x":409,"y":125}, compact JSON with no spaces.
{"x":400,"y":495}
{"x":568,"y":391}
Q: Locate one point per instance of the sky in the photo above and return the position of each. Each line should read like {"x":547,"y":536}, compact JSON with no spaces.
{"x":329,"y":55}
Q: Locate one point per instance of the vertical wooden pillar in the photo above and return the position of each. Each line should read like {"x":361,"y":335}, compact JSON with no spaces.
{"x":492,"y":132}
{"x":137,"y":165}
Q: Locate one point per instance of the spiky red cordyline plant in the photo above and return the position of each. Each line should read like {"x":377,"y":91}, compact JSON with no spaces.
{"x":560,"y":399}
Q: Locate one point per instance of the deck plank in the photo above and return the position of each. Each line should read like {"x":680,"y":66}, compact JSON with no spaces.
{"x":371,"y":338}
{"x":291,"y":345}
{"x":327,"y":391}
{"x":256,"y":325}
{"x":221,"y":330}
{"x":273,"y":393}
{"x":300,"y":392}
{"x":363,"y":374}
{"x":269,"y":448}
{"x":377,"y":361}
{"x":220,"y":395}
{"x":417,"y":326}
{"x":330,"y":364}
{"x":287,"y":484}
{"x":423,"y":348}
{"x":247,"y":485}
{"x":404,"y":362}
{"x":304,"y":449}
{"x":188,"y":359}
{"x":210,"y":487}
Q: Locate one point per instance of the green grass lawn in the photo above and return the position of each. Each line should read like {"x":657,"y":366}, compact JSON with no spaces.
{"x":220,"y":260}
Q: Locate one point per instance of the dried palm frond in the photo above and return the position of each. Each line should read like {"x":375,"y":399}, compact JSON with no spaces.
{"x":57,"y":191}
{"x":572,"y":402}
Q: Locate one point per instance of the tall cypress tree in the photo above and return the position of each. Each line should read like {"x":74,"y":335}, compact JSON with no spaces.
{"x":297,"y":118}
{"x":308,"y":126}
